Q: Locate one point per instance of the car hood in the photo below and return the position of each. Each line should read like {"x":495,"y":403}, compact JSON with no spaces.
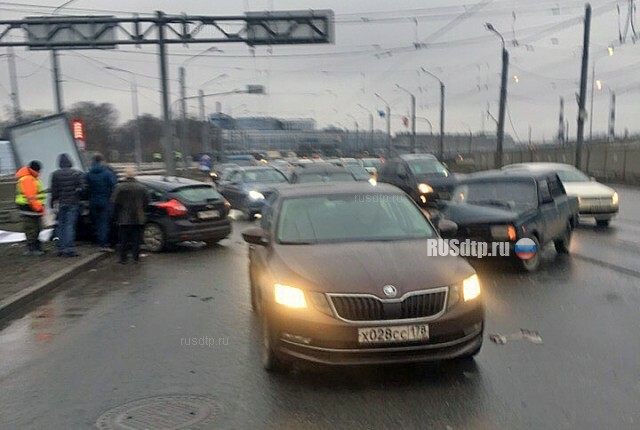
{"x":365,"y":267}
{"x":587,"y":189}
{"x":465,"y":214}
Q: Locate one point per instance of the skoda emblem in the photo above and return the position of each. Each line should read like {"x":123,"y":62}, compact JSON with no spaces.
{"x":389,"y":291}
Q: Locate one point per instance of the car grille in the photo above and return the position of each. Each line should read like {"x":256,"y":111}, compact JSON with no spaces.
{"x":596,"y":203}
{"x":481,"y":232}
{"x":368,"y":308}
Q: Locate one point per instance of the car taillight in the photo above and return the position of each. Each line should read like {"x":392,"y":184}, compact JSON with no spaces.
{"x":174,"y":208}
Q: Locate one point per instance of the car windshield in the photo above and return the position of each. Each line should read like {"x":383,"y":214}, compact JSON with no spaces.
{"x":325,"y":177}
{"x":572,"y":175}
{"x":517,"y":196}
{"x":198,"y":193}
{"x":264,"y":176}
{"x":427,"y":166}
{"x":351,"y":218}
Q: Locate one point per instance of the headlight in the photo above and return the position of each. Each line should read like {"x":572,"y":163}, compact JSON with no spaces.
{"x":425,"y":188}
{"x":255,"y":195}
{"x":289,"y":296}
{"x":470,"y":288}
{"x":372,"y":181}
{"x":614,"y":199}
{"x":503,"y":232}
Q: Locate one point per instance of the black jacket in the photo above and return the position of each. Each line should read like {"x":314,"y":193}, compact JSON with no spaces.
{"x":67,"y":184}
{"x":130,"y":200}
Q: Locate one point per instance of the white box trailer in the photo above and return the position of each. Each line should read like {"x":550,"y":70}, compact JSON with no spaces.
{"x":44,"y":139}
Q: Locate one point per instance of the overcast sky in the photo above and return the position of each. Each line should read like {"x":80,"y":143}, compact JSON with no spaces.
{"x":374,"y":51}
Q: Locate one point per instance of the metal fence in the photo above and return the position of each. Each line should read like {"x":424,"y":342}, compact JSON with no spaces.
{"x":608,"y":162}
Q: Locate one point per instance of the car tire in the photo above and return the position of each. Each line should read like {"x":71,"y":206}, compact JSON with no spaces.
{"x":154,"y":237}
{"x":271,"y":360}
{"x":603,"y":222}
{"x":255,"y":305}
{"x":532,"y":264}
{"x":562,"y":244}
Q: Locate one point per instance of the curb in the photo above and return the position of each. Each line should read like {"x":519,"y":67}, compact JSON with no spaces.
{"x":21,"y":298}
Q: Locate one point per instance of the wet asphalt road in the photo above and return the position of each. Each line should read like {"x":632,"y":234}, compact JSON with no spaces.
{"x":117,"y":334}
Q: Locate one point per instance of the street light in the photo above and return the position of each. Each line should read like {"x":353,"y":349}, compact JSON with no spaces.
{"x":441,"y":146}
{"x":134,"y":110}
{"x":370,"y":125}
{"x":413,"y":117}
{"x":503,"y":95}
{"x":388,"y":115}
{"x":355,"y":121}
{"x":220,"y":76}
{"x":595,"y":83}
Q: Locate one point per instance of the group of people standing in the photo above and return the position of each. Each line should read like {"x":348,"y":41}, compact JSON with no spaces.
{"x":126,"y":202}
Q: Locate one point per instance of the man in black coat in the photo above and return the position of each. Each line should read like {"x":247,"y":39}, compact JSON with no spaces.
{"x":130,"y":200}
{"x":67,"y":185}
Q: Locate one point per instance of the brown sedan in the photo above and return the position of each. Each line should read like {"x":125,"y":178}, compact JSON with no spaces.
{"x":340,"y":275}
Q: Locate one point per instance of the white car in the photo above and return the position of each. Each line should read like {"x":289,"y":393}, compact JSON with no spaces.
{"x":595,"y":199}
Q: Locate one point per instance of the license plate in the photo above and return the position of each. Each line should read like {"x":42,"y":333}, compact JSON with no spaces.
{"x":208,"y":214}
{"x":395,"y":334}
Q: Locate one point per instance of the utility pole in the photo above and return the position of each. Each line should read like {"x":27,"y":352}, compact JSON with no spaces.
{"x":15,"y":98}
{"x":583,"y":85}
{"x":413,"y":124}
{"x":593,"y":85}
{"x":136,"y":117}
{"x":413,"y":118}
{"x":529,"y":135}
{"x":167,"y":136}
{"x":441,"y":147}
{"x":370,"y":125}
{"x":442,"y":90}
{"x":204,"y":127}
{"x":389,"y":142}
{"x":184,"y":129}
{"x":561,"y":139}
{"x":503,"y":97}
{"x":612,"y":118}
{"x":388,"y":115}
{"x":57,"y":82}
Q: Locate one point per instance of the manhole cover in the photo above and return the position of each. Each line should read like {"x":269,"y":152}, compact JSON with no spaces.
{"x":171,"y":412}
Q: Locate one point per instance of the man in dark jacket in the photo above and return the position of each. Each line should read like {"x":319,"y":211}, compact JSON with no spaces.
{"x":67,"y":185}
{"x":100,"y":181}
{"x":130,"y":200}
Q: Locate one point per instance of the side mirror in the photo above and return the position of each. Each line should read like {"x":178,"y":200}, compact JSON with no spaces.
{"x":448,"y":229}
{"x":254,"y":236}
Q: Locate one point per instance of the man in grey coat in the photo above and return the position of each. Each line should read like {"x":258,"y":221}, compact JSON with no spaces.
{"x":130,"y":200}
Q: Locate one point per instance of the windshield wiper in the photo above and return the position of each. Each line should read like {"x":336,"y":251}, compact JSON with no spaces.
{"x":490,"y":202}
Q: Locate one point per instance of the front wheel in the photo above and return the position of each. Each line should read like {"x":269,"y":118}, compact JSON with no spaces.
{"x":530,"y":264}
{"x":154,"y":238}
{"x":562,"y":244}
{"x":271,"y":360}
